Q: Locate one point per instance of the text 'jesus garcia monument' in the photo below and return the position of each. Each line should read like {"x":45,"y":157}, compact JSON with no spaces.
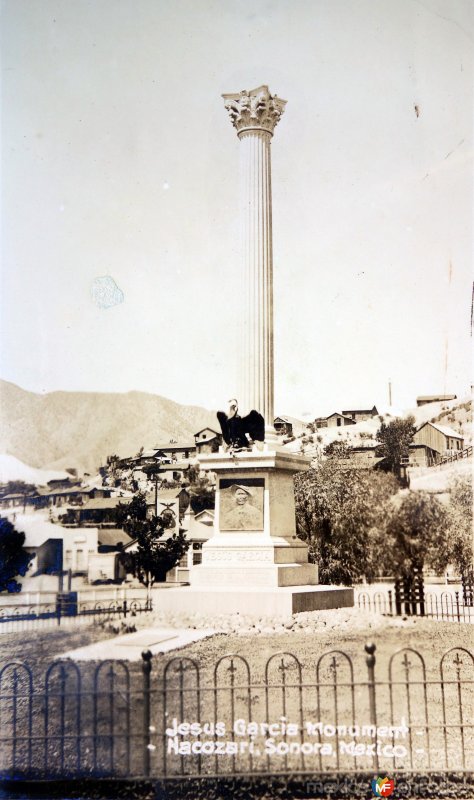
{"x":254,"y":562}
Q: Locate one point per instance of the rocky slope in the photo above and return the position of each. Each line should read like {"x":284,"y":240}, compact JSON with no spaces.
{"x":79,"y":429}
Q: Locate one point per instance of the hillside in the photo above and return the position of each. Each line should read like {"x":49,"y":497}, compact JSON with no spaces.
{"x":455,"y":414}
{"x":79,"y":429}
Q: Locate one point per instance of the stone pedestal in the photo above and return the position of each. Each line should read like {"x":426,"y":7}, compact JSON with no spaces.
{"x":256,"y":547}
{"x":254,"y":562}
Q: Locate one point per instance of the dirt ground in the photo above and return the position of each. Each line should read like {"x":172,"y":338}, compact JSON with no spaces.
{"x":306,"y":635}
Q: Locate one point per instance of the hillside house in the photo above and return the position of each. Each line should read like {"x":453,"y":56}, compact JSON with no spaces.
{"x":361,"y":415}
{"x":14,"y":500}
{"x":74,"y":495}
{"x":289,"y":426}
{"x":176,"y":451}
{"x":423,"y":400}
{"x":438,"y":441}
{"x":283,"y":426}
{"x":337,"y":420}
{"x":100,"y":511}
{"x":320,"y":422}
{"x":207,"y":441}
{"x":198,"y":528}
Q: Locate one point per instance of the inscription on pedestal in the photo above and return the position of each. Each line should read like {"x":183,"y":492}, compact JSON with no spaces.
{"x":239,"y":555}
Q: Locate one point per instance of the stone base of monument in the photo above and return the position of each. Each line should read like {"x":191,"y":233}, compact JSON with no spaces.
{"x":281,"y":601}
{"x":254,"y":562}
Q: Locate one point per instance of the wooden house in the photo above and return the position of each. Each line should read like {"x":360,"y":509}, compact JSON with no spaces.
{"x":439,"y":439}
{"x":361,"y":415}
{"x":337,"y":420}
{"x":289,"y":426}
{"x":207,"y":440}
{"x":434,"y":398}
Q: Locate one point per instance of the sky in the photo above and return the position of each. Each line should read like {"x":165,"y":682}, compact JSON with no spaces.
{"x":119,"y":160}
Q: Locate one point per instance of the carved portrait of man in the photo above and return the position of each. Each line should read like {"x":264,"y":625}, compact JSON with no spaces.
{"x":240,"y":509}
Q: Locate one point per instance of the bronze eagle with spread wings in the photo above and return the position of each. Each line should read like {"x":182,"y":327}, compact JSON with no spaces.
{"x":239,"y":432}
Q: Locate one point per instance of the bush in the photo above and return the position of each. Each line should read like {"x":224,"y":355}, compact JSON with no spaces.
{"x":14,"y":560}
{"x":341,"y":514}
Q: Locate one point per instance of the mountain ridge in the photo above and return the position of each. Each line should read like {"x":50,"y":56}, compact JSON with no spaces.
{"x":63,"y":429}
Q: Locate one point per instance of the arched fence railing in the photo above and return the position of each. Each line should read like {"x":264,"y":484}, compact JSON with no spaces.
{"x":18,"y":618}
{"x":181,"y":718}
{"x":445,"y":606}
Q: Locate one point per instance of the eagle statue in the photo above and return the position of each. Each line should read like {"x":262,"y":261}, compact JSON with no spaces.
{"x":239,"y":432}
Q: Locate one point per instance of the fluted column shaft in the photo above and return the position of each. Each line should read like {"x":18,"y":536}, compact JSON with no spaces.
{"x":255,"y":114}
{"x":257,"y":375}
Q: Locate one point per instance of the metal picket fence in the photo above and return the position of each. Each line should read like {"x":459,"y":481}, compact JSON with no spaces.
{"x":177,"y":718}
{"x":42,"y":616}
{"x":444,"y":606}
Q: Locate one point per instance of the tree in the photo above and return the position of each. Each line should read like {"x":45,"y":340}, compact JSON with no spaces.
{"x":14,"y":560}
{"x":338,"y":448}
{"x":18,"y":487}
{"x":395,"y":439}
{"x":415,"y":529}
{"x":202,"y":493}
{"x":153,"y":556}
{"x":456,"y":545}
{"x":340,"y":513}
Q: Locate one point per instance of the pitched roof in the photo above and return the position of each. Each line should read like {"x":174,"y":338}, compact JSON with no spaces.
{"x":44,"y":492}
{"x":111,"y":538}
{"x":444,"y":430}
{"x":433,"y":398}
{"x":175,"y":446}
{"x":361,"y":410}
{"x":338,"y":414}
{"x":104,"y":502}
{"x":292,"y":420}
{"x":208,"y":429}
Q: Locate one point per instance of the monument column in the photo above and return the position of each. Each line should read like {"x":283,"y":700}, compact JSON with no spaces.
{"x":255,"y":114}
{"x":254,"y":561}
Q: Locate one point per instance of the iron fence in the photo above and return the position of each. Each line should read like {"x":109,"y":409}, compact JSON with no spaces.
{"x":444,"y":606}
{"x":14,"y":619}
{"x":177,"y":718}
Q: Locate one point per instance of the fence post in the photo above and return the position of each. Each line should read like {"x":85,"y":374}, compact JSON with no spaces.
{"x":398,"y":597}
{"x":146,"y":669}
{"x":390,"y":603}
{"x":125,"y":609}
{"x":420,"y":583}
{"x":370,"y":661}
{"x":456,"y":594}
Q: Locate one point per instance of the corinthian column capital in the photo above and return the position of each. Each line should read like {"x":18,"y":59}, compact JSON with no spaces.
{"x":255,"y":110}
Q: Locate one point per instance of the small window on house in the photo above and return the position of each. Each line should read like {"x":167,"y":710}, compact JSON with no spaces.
{"x":339,"y":421}
{"x":197,"y":558}
{"x":183,"y":561}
